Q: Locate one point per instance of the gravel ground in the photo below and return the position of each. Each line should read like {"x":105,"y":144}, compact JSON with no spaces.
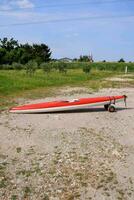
{"x":76,"y":155}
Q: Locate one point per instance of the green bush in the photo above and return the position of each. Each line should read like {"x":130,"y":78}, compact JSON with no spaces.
{"x":55,"y":65}
{"x":87,"y":68}
{"x":7,"y":67}
{"x":62,"y":67}
{"x":31,"y":67}
{"x":113,"y":66}
{"x":1,"y":67}
{"x":17,"y":66}
{"x":47,"y":67}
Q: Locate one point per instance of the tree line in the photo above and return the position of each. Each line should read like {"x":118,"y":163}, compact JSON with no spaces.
{"x":30,"y":57}
{"x":11,"y":51}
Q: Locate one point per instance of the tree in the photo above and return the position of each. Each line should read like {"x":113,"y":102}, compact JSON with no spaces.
{"x":41,"y":53}
{"x":11,"y":51}
{"x":9,"y":48}
{"x":26,"y":53}
{"x":8,"y":44}
{"x":121,"y":60}
{"x":75,"y":59}
{"x":84,"y":58}
{"x":2,"y":55}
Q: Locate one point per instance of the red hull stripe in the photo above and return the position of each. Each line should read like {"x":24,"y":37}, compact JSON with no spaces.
{"x":54,"y":104}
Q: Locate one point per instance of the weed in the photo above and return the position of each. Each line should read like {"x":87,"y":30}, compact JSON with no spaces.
{"x":27,"y":191}
{"x":46,"y":197}
{"x":3,"y":182}
{"x":18,"y":149}
{"x":14,"y":197}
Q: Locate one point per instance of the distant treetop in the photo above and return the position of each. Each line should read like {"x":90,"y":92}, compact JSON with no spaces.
{"x":121,"y":60}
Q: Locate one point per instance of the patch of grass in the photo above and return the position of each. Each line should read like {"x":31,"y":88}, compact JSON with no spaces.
{"x":26,"y":173}
{"x":17,"y":84}
{"x":3,"y":166}
{"x":18,"y":149}
{"x":79,"y":175}
{"x":46,"y":197}
{"x":27,"y":191}
{"x":83,"y":158}
{"x":14,"y":197}
{"x":37,"y":168}
{"x":3,"y":178}
{"x":30,"y":151}
{"x":3,"y":182}
{"x":12,"y":81}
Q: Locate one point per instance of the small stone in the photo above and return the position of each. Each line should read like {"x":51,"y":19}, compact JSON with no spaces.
{"x":116,"y":153}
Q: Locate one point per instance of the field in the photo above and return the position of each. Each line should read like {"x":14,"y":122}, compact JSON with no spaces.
{"x":14,"y":83}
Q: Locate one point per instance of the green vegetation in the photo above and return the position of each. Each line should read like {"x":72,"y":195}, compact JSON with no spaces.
{"x":13,"y":81}
{"x":27,"y":192}
{"x":85,"y":58}
{"x":121,"y":60}
{"x":18,"y":149}
{"x":14,"y":197}
{"x":102,"y":66}
{"x":28,"y":71}
{"x":11,"y":51}
{"x":16,"y":83}
{"x":46,"y":68}
{"x":87,"y":68}
{"x":60,"y":66}
{"x":113,"y":66}
{"x":31,"y":67}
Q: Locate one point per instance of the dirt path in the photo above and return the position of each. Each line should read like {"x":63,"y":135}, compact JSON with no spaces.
{"x":77,"y":155}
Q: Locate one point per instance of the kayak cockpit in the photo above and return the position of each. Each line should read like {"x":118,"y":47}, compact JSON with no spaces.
{"x":70,"y":101}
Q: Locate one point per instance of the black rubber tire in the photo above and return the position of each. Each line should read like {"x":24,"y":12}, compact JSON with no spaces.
{"x":106,"y":107}
{"x":111,"y":108}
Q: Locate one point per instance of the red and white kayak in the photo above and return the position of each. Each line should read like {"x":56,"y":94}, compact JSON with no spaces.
{"x":57,"y":106}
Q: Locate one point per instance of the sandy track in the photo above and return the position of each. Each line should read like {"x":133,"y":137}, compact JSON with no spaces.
{"x":76,"y":155}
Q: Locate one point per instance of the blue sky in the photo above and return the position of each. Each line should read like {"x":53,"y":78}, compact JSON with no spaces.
{"x":91,"y":27}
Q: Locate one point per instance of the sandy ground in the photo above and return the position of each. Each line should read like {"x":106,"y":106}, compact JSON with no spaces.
{"x":119,"y":79}
{"x":75,"y":155}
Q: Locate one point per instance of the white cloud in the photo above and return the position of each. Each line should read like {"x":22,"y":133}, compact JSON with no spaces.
{"x":23,"y":3}
{"x":11,"y":4}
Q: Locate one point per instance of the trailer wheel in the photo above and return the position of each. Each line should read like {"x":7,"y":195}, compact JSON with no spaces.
{"x":106,"y":107}
{"x":111,"y":108}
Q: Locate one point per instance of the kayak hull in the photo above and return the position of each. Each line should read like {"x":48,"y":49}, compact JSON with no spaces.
{"x":59,"y":106}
